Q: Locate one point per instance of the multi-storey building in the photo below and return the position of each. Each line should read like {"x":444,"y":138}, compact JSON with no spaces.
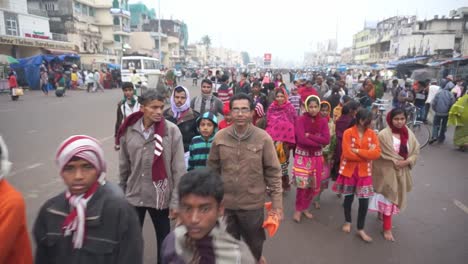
{"x":25,"y":32}
{"x":361,"y":44}
{"x":99,"y":29}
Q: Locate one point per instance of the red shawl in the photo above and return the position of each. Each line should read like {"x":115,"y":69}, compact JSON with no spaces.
{"x":403,"y":132}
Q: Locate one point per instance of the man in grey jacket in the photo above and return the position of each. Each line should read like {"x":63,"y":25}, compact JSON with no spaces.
{"x":441,"y":105}
{"x":151,"y":163}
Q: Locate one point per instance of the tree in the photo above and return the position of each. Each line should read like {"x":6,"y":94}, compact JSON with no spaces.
{"x":245,"y":57}
{"x":206,"y":40}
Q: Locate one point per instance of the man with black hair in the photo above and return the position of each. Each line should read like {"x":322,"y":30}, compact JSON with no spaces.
{"x":126,"y":106}
{"x":151,"y":163}
{"x":245,"y":157}
{"x":244,"y":85}
{"x":224,"y":91}
{"x":206,"y":101}
{"x":201,"y":238}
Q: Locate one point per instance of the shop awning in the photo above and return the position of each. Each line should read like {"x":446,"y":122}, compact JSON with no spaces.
{"x":60,"y":52}
{"x":410,"y":60}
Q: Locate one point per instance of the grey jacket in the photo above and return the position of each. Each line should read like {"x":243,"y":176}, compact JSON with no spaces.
{"x":442,"y":102}
{"x":136,"y":160}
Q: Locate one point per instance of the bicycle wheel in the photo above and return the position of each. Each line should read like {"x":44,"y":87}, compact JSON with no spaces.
{"x":421,"y":132}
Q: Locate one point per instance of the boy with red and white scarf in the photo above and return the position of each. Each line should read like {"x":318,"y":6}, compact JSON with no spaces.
{"x":89,"y":222}
{"x":151,"y":163}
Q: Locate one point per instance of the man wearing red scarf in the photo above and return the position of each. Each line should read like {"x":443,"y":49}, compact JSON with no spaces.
{"x":151,"y":163}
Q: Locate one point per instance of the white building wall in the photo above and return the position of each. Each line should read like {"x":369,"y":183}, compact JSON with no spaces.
{"x":30,"y":23}
{"x":2,"y":23}
{"x":17,"y":6}
{"x":428,"y":43}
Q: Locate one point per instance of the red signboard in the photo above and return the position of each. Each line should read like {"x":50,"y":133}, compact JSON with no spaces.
{"x":267,"y":57}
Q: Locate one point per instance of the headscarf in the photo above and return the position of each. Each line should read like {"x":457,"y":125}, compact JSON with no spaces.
{"x":226,"y":108}
{"x":4,"y":159}
{"x":403,"y":132}
{"x":306,"y":102}
{"x":329,"y":109}
{"x":178,"y":110}
{"x":89,"y":149}
{"x":285,"y":96}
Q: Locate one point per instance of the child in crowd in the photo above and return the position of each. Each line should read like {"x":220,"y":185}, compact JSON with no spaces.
{"x":89,"y":222}
{"x":360,"y":147}
{"x":127,"y":106}
{"x":201,"y":238}
{"x":312,"y":135}
{"x":328,"y":151}
{"x":200,"y":146}
{"x":227,"y":121}
{"x":295,"y":99}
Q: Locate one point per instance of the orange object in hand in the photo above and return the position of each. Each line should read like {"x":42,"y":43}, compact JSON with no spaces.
{"x":271,"y":224}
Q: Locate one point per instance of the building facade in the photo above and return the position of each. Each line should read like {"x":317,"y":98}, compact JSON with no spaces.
{"x":99,"y":29}
{"x":25,"y":32}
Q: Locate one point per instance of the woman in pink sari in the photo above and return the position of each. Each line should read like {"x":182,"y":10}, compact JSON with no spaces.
{"x":281,"y":118}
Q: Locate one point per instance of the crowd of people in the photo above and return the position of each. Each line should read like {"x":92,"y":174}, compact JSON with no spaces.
{"x":216,"y":166}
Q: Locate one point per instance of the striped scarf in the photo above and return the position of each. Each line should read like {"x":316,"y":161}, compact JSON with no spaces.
{"x":89,"y":149}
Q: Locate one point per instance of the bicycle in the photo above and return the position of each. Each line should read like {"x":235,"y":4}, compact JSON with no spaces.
{"x":378,"y":109}
{"x":420,"y":130}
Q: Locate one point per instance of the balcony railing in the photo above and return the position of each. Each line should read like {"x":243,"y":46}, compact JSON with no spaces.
{"x":122,"y":28}
{"x":37,"y":12}
{"x":59,"y":37}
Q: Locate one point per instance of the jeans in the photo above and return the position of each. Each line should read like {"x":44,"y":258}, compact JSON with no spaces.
{"x":421,"y":113}
{"x":439,"y":127}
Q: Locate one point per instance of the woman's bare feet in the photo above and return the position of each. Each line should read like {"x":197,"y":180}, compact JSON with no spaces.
{"x":309,"y":215}
{"x":346,"y":228}
{"x":380,"y":216}
{"x":364,"y":236}
{"x":317,"y":205}
{"x":388,"y":235}
{"x":297,"y":217}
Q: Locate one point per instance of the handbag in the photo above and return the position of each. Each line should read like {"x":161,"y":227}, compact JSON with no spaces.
{"x":17,"y":91}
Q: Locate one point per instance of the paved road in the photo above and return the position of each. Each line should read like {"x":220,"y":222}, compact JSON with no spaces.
{"x":431,"y":230}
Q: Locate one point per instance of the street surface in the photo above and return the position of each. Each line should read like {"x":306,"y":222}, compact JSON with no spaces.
{"x":431,"y":230}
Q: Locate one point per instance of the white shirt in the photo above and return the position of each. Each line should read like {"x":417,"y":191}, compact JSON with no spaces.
{"x":433,"y":89}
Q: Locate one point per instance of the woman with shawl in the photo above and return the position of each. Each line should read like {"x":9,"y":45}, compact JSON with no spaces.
{"x":392,"y":171}
{"x":281,"y":117}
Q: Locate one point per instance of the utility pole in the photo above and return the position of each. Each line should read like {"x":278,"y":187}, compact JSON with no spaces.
{"x":159,"y":32}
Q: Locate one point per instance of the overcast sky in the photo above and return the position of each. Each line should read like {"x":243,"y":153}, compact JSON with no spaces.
{"x":288,"y":28}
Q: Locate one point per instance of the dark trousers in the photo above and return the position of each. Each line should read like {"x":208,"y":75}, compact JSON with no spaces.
{"x":161,"y":223}
{"x":247,"y":224}
{"x":427,"y":108}
{"x":362,"y":211}
{"x":439,"y":127}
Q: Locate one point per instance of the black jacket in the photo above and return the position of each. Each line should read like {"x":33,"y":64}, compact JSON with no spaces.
{"x":187,"y":125}
{"x":113,"y":233}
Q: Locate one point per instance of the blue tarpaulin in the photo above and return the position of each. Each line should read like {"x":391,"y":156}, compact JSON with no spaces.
{"x":31,"y":67}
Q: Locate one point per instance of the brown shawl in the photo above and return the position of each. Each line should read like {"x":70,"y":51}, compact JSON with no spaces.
{"x":388,"y":181}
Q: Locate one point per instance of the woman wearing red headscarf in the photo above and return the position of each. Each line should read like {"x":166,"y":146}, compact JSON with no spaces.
{"x":392,"y":171}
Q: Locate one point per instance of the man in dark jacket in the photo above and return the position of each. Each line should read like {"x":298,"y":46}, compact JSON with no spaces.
{"x":89,"y":222}
{"x":244,"y":85}
{"x":183,"y":116}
